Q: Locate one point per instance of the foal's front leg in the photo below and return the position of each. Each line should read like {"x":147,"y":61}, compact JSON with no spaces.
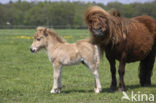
{"x":57,"y":77}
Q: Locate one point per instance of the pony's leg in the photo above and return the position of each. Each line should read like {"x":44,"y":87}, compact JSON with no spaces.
{"x":121,"y":72}
{"x":57,"y":78}
{"x":113,"y":72}
{"x":145,"y":69}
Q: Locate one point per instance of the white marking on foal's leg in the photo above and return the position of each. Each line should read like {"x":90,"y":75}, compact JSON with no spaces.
{"x":94,"y":70}
{"x":57,"y":78}
{"x":98,"y":87}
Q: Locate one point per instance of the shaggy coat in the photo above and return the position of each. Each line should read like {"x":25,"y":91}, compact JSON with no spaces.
{"x":127,"y":40}
{"x":61,"y":53}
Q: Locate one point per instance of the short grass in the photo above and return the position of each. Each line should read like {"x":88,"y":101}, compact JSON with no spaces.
{"x":27,"y":77}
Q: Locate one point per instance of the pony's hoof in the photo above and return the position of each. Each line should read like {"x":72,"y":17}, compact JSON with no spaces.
{"x":146,"y":84}
{"x":97,"y":90}
{"x":121,"y":89}
{"x":113,"y":88}
{"x":55,"y":91}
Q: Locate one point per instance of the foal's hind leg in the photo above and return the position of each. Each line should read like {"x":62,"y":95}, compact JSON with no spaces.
{"x":95,"y":72}
{"x":145,"y":69}
{"x":94,"y":69}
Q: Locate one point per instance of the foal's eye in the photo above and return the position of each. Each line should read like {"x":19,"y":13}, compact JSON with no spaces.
{"x":38,"y":39}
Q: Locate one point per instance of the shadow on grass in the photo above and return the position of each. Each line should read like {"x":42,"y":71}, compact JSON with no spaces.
{"x":77,"y":91}
{"x":107,"y":90}
{"x":104,"y":90}
{"x":128,"y":87}
{"x":138,"y":86}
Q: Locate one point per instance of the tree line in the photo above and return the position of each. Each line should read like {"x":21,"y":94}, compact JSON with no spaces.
{"x":63,"y":14}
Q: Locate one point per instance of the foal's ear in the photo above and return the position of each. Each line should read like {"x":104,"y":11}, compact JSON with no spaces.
{"x":45,"y":32}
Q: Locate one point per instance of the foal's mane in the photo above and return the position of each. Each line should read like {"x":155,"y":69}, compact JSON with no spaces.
{"x":52,"y":33}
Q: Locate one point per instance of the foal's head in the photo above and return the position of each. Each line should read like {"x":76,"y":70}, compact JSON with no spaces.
{"x":40,"y":39}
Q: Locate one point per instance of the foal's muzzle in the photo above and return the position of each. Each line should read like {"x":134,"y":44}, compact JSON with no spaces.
{"x":32,"y":50}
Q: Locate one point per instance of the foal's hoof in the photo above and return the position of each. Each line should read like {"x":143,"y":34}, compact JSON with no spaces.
{"x":97,"y":90}
{"x":121,"y":89}
{"x":55,"y":91}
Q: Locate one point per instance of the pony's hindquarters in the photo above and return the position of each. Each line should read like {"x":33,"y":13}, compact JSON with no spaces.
{"x":146,"y":67}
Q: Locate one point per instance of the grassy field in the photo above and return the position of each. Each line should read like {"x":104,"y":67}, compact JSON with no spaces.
{"x":27,"y":77}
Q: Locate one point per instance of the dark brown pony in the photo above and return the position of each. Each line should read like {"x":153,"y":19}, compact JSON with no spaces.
{"x":127,"y":40}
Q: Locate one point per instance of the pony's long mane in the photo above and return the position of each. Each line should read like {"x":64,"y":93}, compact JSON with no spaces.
{"x":118,"y":27}
{"x":114,"y":12}
{"x":52,"y":33}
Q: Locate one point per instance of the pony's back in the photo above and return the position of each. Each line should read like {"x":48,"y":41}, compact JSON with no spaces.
{"x":149,"y":22}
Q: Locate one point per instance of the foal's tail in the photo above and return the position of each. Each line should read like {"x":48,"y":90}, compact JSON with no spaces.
{"x":97,"y":55}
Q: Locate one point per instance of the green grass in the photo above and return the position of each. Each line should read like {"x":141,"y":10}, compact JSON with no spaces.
{"x":27,"y":77}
